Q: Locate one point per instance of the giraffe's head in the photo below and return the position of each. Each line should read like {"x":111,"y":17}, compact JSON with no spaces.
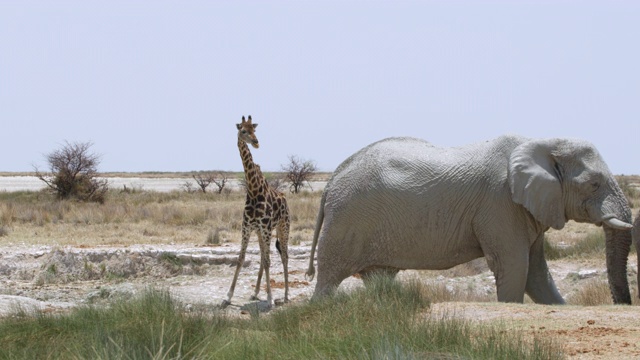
{"x":247,"y":133}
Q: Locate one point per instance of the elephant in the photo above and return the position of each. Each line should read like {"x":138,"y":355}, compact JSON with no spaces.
{"x":403,"y":203}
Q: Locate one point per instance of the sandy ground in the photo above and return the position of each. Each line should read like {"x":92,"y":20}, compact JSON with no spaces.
{"x":56,"y":279}
{"x":599,"y":332}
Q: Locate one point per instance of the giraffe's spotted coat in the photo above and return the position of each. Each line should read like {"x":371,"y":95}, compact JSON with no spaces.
{"x":265,"y":210}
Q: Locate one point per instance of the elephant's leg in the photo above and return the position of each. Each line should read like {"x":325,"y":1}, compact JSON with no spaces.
{"x":510,"y":271}
{"x":331,"y":272}
{"x":328,"y":283}
{"x":540,"y":286}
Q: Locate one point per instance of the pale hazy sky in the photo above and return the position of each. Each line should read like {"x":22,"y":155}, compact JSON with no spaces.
{"x":160,"y":85}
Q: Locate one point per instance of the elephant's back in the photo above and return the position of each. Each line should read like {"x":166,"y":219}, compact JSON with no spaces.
{"x":402,"y":166}
{"x":398,"y":154}
{"x":390,"y":161}
{"x":382,"y":174}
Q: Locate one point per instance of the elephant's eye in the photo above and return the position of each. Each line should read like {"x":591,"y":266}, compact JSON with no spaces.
{"x":595,"y":186}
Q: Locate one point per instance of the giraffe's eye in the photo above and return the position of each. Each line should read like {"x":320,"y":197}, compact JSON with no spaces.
{"x":244,"y":131}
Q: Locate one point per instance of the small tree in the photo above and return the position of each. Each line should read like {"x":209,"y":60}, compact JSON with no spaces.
{"x":203,"y":180}
{"x":188,"y":187}
{"x":298,"y":172}
{"x":220,"y":180}
{"x":73,"y":171}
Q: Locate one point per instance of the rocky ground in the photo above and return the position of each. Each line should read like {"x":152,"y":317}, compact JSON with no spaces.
{"x":55,"y":279}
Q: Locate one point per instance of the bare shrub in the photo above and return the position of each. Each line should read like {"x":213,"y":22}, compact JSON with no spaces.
{"x":73,"y":171}
{"x":203,"y":180}
{"x":220,"y":180}
{"x":188,"y":187}
{"x":298,"y":172}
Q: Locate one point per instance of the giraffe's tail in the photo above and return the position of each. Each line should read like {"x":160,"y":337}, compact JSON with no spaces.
{"x":278,"y":246}
{"x":311,"y":272}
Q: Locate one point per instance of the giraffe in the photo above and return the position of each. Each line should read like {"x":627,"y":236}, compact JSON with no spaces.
{"x":265,"y":209}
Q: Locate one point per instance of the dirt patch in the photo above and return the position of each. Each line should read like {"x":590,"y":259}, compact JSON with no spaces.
{"x":280,"y":285}
{"x":598,"y":332}
{"x":49,"y":278}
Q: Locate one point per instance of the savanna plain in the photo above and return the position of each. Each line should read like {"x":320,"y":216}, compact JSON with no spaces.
{"x":142,"y":276}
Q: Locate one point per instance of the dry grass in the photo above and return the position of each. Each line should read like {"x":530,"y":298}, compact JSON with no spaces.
{"x":138,"y":217}
{"x":630,"y":185}
{"x":592,"y":293}
{"x":439,"y":291}
{"x":178,"y":217}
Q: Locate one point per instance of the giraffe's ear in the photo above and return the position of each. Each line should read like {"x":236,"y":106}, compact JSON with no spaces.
{"x":255,"y":125}
{"x":239,"y":126}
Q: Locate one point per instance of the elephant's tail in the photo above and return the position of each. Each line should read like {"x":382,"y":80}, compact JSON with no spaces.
{"x":311,"y":272}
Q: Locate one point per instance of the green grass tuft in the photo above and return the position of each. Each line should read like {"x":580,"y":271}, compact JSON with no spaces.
{"x":385,"y":320}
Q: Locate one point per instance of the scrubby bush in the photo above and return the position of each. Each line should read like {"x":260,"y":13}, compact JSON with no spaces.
{"x":298,"y":172}
{"x":73,"y":173}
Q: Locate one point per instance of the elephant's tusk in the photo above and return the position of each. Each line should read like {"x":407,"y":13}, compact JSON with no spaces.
{"x":617,"y":224}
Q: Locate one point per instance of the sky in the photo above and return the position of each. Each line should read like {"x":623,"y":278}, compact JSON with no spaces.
{"x":159,"y":85}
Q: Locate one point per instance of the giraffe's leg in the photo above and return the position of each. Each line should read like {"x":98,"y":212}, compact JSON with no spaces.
{"x":246,"y":232}
{"x":264,"y":237}
{"x":255,"y":294}
{"x":283,"y":237}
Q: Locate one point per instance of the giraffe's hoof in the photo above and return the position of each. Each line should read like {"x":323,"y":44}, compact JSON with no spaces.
{"x":225,"y":303}
{"x":254,"y":297}
{"x":280,"y":302}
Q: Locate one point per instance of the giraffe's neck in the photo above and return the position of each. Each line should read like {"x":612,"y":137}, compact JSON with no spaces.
{"x":253,"y":176}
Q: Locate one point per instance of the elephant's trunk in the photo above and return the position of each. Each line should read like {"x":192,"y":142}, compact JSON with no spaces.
{"x":616,"y":222}
{"x":618,"y":243}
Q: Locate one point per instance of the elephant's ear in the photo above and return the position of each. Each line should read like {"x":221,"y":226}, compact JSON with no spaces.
{"x":535,"y":182}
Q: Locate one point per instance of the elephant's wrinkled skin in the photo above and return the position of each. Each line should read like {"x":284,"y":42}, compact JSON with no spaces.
{"x":636,"y":239}
{"x":402,"y":203}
